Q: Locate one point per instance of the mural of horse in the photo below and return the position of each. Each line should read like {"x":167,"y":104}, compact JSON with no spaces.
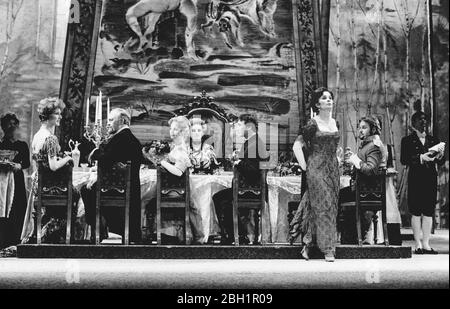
{"x":153,"y":9}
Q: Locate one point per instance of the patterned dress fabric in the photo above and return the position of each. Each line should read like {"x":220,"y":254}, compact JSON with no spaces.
{"x":53,"y":220}
{"x":179,"y":156}
{"x":50,"y":148}
{"x":315,"y":219}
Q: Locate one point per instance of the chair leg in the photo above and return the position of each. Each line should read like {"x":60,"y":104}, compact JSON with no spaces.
{"x":39,"y":220}
{"x":158,"y":223}
{"x":69,"y":217}
{"x":187,"y":226}
{"x":260,"y":227}
{"x":358,"y":224}
{"x":97,"y":219}
{"x":375,"y":228}
{"x":235,"y":223}
{"x":126,"y":238}
{"x":385,"y":231}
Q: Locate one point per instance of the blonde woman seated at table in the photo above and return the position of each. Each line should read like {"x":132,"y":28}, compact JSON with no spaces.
{"x":176,"y":164}
{"x":178,"y":159}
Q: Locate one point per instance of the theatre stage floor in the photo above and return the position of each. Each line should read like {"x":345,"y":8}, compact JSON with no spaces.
{"x":417,"y":272}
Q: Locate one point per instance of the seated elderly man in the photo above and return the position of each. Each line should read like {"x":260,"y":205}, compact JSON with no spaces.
{"x":368,"y":161}
{"x":121,"y":146}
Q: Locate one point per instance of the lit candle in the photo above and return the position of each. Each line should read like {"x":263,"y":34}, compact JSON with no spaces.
{"x":101,"y":108}
{"x":87,"y":112}
{"x":107,"y":109}
{"x":96,"y":110}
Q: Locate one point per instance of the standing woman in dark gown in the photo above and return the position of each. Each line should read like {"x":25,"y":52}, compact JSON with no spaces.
{"x":316,"y":215}
{"x":10,"y":141}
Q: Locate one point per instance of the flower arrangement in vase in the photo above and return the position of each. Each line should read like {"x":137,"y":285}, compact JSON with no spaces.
{"x":156,"y":151}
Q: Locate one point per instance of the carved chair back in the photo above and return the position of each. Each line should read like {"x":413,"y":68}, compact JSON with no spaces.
{"x":172,"y":192}
{"x":370,"y":195}
{"x":113,"y":190}
{"x":249,"y":195}
{"x":54,"y":190}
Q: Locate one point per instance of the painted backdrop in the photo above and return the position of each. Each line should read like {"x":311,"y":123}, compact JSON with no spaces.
{"x":154,"y":58}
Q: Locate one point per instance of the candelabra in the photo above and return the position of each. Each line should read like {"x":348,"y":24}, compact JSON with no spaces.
{"x":95,"y":133}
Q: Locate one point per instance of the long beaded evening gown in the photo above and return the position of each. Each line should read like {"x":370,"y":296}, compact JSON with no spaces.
{"x":315,"y":219}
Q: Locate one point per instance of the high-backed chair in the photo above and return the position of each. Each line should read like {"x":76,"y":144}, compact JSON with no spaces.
{"x":113,"y":190}
{"x":370,"y":195}
{"x":257,"y":203}
{"x":172,"y":192}
{"x":54,"y":190}
{"x":216,"y":118}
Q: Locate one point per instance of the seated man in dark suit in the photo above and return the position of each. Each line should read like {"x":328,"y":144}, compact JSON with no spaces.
{"x":121,"y":146}
{"x":367,"y":161}
{"x":247,"y":161}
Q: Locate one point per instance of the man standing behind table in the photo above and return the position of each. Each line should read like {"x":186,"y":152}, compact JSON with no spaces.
{"x":422,"y":179}
{"x":247,"y":161}
{"x":121,"y":146}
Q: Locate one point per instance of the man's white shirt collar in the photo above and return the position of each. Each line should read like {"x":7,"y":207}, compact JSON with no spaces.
{"x":121,"y":129}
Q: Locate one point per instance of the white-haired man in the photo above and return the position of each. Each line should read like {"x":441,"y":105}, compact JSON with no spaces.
{"x":121,"y":146}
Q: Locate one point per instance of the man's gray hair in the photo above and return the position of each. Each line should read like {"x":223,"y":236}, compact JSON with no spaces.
{"x":124,"y":114}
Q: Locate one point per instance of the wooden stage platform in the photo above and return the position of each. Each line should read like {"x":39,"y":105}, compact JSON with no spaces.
{"x":203,"y":252}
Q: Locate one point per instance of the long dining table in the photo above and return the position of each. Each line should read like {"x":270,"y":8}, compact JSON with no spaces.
{"x":282,"y":190}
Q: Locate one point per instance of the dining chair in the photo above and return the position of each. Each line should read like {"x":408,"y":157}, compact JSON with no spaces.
{"x":370,"y":195}
{"x":256,"y":201}
{"x":54,"y":190}
{"x":172,"y":192}
{"x":113,"y":190}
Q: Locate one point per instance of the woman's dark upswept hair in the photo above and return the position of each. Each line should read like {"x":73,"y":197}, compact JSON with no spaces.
{"x":48,"y":106}
{"x":316,"y":96}
{"x":6,"y":120}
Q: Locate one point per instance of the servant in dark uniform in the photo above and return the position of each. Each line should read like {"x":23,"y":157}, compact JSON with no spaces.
{"x":121,"y":146}
{"x":422,"y":179}
{"x":10,"y":141}
{"x":368,"y":161}
{"x":247,"y":161}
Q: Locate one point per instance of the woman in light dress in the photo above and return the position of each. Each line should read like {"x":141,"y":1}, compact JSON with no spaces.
{"x":178,"y":159}
{"x":45,"y":148}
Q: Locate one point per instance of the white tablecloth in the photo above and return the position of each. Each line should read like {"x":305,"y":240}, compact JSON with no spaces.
{"x":282,"y":190}
{"x":203,"y":214}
